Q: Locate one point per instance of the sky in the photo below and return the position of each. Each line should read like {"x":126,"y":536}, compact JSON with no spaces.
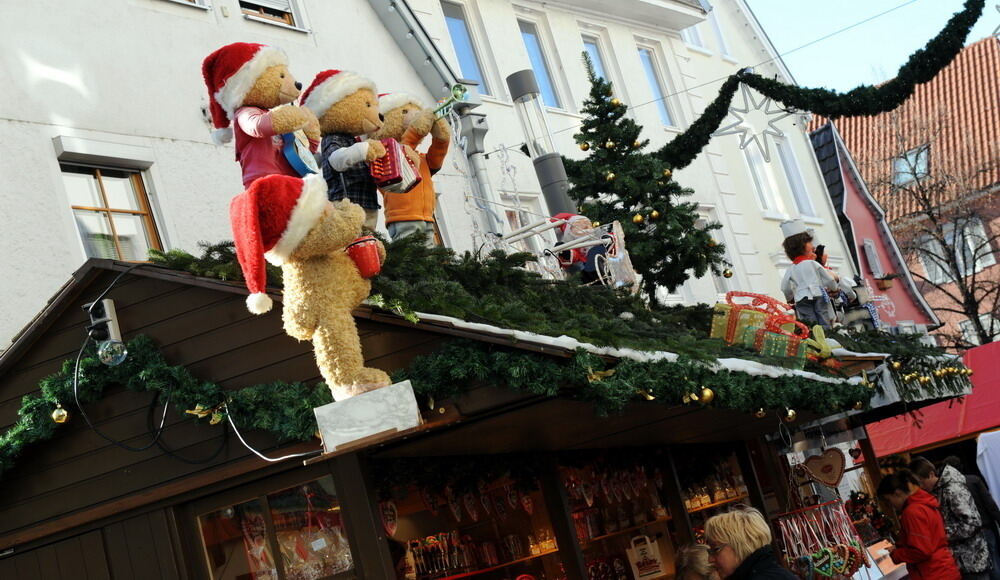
{"x":866,"y":54}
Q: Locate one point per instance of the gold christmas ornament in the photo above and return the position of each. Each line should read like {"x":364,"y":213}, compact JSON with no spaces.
{"x":760,"y":413}
{"x":596,"y":224}
{"x":858,"y":405}
{"x":707,"y":395}
{"x":727,"y":273}
{"x":637,"y":144}
{"x":609,"y":144}
{"x":609,"y":177}
{"x":584,"y":146}
{"x":637,"y":218}
{"x":667,"y":173}
{"x":791,"y":415}
{"x":967,"y":372}
{"x":654,"y":215}
{"x":616,"y":101}
{"x":896,"y":365}
{"x":924,"y":380}
{"x":60,"y":415}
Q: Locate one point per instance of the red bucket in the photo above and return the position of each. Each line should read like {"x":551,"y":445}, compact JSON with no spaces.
{"x":364,"y":252}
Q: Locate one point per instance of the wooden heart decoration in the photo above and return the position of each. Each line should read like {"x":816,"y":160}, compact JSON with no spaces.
{"x":827,"y":468}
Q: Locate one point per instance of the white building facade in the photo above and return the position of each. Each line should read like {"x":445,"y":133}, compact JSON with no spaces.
{"x":107,"y":149}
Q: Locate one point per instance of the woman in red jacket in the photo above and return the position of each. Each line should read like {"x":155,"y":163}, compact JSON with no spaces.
{"x":922,"y":545}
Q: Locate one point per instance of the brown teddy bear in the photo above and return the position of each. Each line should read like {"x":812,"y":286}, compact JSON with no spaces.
{"x":347,"y":109}
{"x":249,"y":85}
{"x":407,"y":121}
{"x":290,"y":222}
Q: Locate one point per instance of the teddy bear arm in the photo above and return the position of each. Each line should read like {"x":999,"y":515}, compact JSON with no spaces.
{"x":289,"y":118}
{"x":256,"y":123}
{"x":441,"y":131}
{"x":423,"y":124}
{"x":343,"y":158}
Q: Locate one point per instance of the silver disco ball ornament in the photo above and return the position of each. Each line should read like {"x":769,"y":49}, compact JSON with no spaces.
{"x":112,"y":352}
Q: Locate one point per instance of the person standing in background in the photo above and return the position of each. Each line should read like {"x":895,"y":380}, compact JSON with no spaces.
{"x":988,"y":511}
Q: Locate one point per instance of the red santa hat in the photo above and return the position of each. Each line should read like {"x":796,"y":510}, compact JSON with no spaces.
{"x":390,"y":101}
{"x":270,"y":219}
{"x":332,"y":86}
{"x":230,"y":72}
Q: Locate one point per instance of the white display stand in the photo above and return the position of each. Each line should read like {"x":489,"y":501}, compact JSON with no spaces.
{"x":368,"y":416}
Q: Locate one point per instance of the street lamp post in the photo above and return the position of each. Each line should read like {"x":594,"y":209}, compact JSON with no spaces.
{"x":548,"y":163}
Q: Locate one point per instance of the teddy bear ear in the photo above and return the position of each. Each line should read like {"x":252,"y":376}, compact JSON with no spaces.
{"x":222,"y":136}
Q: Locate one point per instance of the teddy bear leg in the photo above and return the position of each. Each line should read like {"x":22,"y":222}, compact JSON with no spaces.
{"x":338,"y":355}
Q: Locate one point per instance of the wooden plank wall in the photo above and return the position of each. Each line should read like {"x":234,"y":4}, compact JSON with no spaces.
{"x":206,"y":329}
{"x":80,"y":557}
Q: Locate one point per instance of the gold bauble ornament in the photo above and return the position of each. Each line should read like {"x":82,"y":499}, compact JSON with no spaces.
{"x":727,"y":273}
{"x":896,"y":365}
{"x":616,"y":101}
{"x":858,"y":405}
{"x":924,"y":380}
{"x":667,"y":173}
{"x":609,"y":144}
{"x":60,"y":415}
{"x":967,"y":372}
{"x":707,"y":395}
{"x":938,"y":373}
{"x":637,"y":144}
{"x":637,"y":218}
{"x":760,"y":413}
{"x":654,"y":215}
{"x":596,"y":224}
{"x":609,"y":177}
{"x":791,"y":415}
{"x":584,"y":146}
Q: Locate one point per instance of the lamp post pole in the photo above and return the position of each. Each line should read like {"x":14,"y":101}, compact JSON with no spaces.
{"x":548,"y":163}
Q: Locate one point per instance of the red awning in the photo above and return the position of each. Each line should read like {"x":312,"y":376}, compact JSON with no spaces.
{"x":951,"y":419}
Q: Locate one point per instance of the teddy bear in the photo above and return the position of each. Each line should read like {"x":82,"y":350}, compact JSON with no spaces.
{"x":251,"y":88}
{"x":409,"y":122}
{"x":290,"y":222}
{"x":347,"y":108}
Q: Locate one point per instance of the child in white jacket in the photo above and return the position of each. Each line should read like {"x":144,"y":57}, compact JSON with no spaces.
{"x":806,"y":280}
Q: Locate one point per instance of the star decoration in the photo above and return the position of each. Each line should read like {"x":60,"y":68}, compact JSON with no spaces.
{"x":746,"y":130}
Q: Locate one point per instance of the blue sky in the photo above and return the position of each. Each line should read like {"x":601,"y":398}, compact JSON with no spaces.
{"x":867,"y":54}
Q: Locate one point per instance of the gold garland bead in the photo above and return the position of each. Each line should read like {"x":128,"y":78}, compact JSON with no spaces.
{"x":707,"y":395}
{"x":616,"y":101}
{"x":584,"y":146}
{"x":609,"y":144}
{"x":858,"y":405}
{"x":638,"y":219}
{"x":967,"y":372}
{"x":609,"y":177}
{"x":654,"y":215}
{"x":60,"y":415}
{"x":760,"y":413}
{"x":667,"y":173}
{"x":596,"y":224}
{"x":924,"y":380}
{"x":727,"y":273}
{"x":790,"y":415}
{"x":896,"y":365}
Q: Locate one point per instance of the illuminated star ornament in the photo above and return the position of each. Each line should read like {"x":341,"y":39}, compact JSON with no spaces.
{"x":751,"y":115}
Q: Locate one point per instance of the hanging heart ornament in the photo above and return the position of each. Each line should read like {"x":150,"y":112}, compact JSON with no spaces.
{"x":827,"y":468}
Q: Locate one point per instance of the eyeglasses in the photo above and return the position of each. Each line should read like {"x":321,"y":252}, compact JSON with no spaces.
{"x":713,"y":550}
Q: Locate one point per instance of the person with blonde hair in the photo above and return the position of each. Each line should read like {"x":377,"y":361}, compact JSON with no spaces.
{"x":693,"y":564}
{"x":739,"y":546}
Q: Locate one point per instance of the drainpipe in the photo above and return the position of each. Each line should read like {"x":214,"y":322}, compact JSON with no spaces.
{"x":429,"y":64}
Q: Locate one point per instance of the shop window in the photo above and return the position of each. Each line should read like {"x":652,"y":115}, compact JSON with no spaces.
{"x":294,"y":533}
{"x":280,"y":11}
{"x":656,"y":84}
{"x":469,"y":63}
{"x":539,"y":63}
{"x":112,"y":212}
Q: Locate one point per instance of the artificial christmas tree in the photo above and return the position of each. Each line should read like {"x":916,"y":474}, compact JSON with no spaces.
{"x":618,"y":181}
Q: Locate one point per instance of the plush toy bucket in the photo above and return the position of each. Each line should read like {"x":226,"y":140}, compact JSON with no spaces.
{"x":364,"y":252}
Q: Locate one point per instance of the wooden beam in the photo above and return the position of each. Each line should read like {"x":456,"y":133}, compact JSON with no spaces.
{"x":369,"y":545}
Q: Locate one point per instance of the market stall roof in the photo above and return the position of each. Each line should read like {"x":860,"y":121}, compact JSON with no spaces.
{"x":947,"y":421}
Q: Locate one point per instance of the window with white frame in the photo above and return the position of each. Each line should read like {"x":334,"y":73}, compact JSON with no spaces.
{"x":990,"y":324}
{"x":764,"y":183}
{"x":874,"y":261}
{"x":795,"y":181}
{"x":968,"y":244}
{"x":592,"y":46}
{"x":692,"y":36}
{"x":713,"y":19}
{"x":654,"y":77}
{"x":111,"y":211}
{"x":539,"y":63}
{"x":469,"y":63}
{"x":721,"y":282}
{"x":912,"y":165}
{"x":279,"y":11}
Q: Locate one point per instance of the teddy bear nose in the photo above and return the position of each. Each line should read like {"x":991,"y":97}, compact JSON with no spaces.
{"x":298,"y":85}
{"x":381,"y":117}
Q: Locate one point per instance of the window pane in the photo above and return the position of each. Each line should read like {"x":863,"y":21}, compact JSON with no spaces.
{"x":655,"y":86}
{"x":310,"y":532}
{"x":461,"y":39}
{"x":529,"y":33}
{"x":95,"y":230}
{"x":236,"y":543}
{"x":133,"y":239}
{"x":590,"y":45}
{"x":692,"y":36}
{"x":920,"y":161}
{"x":723,"y":47}
{"x":82,"y":187}
{"x":763,"y":181}
{"x":119,"y":190}
{"x":795,"y":181}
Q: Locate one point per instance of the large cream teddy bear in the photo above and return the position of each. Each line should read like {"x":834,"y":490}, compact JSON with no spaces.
{"x":290,"y":222}
{"x":348,"y":109}
{"x":251,"y":89}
